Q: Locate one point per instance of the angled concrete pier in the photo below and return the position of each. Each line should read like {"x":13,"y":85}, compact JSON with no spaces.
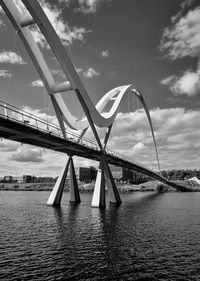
{"x":104,"y":175}
{"x":112,"y":189}
{"x":57,"y":192}
{"x":99,"y":199}
{"x":74,"y":192}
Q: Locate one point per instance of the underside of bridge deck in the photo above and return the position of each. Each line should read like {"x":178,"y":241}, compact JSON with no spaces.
{"x":17,"y":131}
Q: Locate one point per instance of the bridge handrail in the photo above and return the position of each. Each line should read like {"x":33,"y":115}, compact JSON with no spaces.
{"x":84,"y":141}
{"x":72,"y":136}
{"x":114,"y":153}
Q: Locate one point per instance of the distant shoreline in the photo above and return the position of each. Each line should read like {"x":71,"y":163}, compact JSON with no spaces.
{"x":89,"y":187}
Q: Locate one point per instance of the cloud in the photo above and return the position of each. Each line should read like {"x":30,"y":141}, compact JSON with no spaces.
{"x":66,"y":33}
{"x":188,"y":83}
{"x":5,"y":73}
{"x":27,"y":153}
{"x":167,"y":80}
{"x":79,"y":70}
{"x":105,"y":53}
{"x":182,"y":39}
{"x":11,"y":57}
{"x":8,"y":146}
{"x":1,"y":22}
{"x":91,"y":6}
{"x":37,"y":83}
{"x":138,"y":147}
{"x":177,"y":133}
{"x":66,"y":2}
{"x":88,"y":6}
{"x":91,"y":72}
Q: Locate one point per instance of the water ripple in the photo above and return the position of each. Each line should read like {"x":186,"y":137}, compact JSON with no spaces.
{"x":149,"y":237}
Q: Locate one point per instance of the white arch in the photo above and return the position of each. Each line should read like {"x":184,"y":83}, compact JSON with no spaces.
{"x":73,"y":81}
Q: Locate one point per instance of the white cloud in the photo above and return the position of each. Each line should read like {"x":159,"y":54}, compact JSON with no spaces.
{"x":138,"y":147}
{"x":91,"y":6}
{"x":27,"y":153}
{"x":187,"y":83}
{"x":105,"y":53}
{"x":1,"y":23}
{"x":177,"y":132}
{"x":66,"y":33}
{"x":179,"y":40}
{"x":5,"y":73}
{"x":167,"y":80}
{"x":11,"y":57}
{"x":183,"y":37}
{"x":88,"y":6}
{"x":79,"y":70}
{"x":67,"y":2}
{"x":91,"y":72}
{"x":37,"y":83}
{"x":8,"y":146}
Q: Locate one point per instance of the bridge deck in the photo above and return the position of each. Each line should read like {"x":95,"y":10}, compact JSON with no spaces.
{"x":13,"y":128}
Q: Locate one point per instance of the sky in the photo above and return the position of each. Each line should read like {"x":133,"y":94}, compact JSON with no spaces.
{"x":152,"y":44}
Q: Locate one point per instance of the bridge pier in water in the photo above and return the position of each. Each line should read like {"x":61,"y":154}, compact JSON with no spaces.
{"x":104,"y":175}
{"x":57,"y":192}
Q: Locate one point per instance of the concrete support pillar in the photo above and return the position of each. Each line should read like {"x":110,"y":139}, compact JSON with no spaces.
{"x":98,"y":199}
{"x":57,"y":192}
{"x":74,"y":192}
{"x":104,"y":175}
{"x":112,"y":189}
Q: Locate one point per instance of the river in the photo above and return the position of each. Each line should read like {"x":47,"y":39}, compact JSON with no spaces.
{"x":150,"y":236}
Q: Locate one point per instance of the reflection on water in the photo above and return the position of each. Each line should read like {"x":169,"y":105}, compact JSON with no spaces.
{"x":150,"y":236}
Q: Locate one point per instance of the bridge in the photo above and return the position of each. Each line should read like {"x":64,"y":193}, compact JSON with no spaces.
{"x":17,"y":125}
{"x":21,"y":126}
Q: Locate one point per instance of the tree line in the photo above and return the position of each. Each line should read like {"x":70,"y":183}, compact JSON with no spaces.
{"x":180,"y":174}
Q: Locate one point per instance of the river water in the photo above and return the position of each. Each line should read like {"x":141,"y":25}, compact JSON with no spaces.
{"x":149,"y":237}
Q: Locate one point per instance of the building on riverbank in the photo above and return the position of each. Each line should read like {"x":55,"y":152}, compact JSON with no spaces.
{"x":87,"y":174}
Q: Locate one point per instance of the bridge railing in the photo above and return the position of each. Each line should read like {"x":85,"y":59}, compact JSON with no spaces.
{"x":28,"y":119}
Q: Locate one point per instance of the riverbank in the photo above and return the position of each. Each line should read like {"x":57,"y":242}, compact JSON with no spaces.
{"x":89,"y":187}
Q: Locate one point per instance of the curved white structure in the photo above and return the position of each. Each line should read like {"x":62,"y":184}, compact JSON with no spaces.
{"x":73,"y":82}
